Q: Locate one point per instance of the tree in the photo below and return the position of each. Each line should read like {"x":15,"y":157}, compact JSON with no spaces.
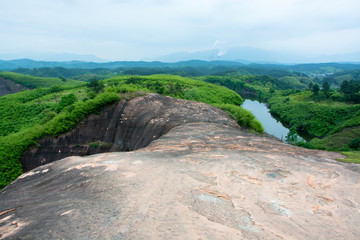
{"x":311,"y":85}
{"x":316,"y":89}
{"x":271,"y":90}
{"x":351,"y":90}
{"x":349,"y":87}
{"x":344,"y":87}
{"x":67,"y":100}
{"x":158,"y":87}
{"x":355,"y":144}
{"x":326,"y":89}
{"x":96,"y":85}
{"x":293,"y":138}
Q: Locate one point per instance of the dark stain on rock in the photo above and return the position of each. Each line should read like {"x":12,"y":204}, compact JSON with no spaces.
{"x":8,"y":86}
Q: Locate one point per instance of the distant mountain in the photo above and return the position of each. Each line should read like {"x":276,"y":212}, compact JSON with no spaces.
{"x":257,"y":55}
{"x":51,"y":56}
{"x":343,"y":58}
{"x":240,"y":54}
{"x":195,"y":67}
{"x":28,"y":63}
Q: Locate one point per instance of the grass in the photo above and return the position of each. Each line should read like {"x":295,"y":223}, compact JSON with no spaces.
{"x":351,"y":157}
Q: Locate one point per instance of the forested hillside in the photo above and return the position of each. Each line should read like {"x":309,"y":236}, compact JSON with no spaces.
{"x":36,"y":82}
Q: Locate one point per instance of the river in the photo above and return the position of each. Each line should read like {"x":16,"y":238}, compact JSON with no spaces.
{"x":270,"y":124}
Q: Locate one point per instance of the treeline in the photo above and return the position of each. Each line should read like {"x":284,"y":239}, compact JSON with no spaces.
{"x":350,"y":89}
{"x":62,"y":73}
{"x":337,"y":78}
{"x":36,"y":82}
{"x":185,"y":69}
{"x":347,"y":92}
{"x":260,"y":87}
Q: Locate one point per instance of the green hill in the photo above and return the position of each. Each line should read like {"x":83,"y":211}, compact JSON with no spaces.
{"x":37,"y":82}
{"x":31,"y":115}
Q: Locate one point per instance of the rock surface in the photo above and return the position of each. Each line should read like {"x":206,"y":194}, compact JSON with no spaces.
{"x":8,"y":86}
{"x":200,"y":180}
{"x":125,"y":126}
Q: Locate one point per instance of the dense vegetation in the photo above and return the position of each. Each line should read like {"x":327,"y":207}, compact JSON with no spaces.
{"x":14,"y":144}
{"x":319,"y":118}
{"x":79,"y":74}
{"x":179,"y":87}
{"x":338,"y":77}
{"x":35,"y":82}
{"x":328,"y":117}
{"x":201,"y":67}
{"x":30,"y":115}
{"x":260,"y":87}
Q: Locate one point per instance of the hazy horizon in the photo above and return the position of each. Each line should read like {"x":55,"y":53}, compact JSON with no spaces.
{"x":151,"y":29}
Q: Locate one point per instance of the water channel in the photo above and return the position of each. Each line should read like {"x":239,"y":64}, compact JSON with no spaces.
{"x":262,"y":113}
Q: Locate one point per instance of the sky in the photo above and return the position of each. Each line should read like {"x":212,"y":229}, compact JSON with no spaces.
{"x":146,"y":29}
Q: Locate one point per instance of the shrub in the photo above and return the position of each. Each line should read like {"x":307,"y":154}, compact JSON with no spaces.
{"x":94,"y":145}
{"x":244,"y":117}
{"x":355,"y":144}
{"x":14,"y":145}
{"x":67,"y":100}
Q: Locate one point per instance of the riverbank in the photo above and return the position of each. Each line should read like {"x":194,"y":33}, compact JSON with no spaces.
{"x":271,"y":125}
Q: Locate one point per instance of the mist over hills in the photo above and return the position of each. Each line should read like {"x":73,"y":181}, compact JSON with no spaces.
{"x":217,"y":55}
{"x":257,"y":55}
{"x":51,"y":57}
{"x":29,"y":63}
{"x":219,"y":59}
{"x":240,"y":54}
{"x":197,"y":67}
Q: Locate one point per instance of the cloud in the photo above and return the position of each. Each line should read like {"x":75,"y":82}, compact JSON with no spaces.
{"x":221,"y":46}
{"x":123,"y":29}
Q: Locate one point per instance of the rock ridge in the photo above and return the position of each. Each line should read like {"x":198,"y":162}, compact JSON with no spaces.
{"x":124,"y":126}
{"x":200,"y":180}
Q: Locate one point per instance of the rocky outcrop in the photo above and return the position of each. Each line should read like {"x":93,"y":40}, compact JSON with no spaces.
{"x":125,"y":126}
{"x":8,"y":86}
{"x":200,"y":180}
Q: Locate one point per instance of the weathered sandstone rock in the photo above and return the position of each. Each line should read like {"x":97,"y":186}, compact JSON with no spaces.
{"x":201,"y":180}
{"x":124,"y":126}
{"x":8,"y":86}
